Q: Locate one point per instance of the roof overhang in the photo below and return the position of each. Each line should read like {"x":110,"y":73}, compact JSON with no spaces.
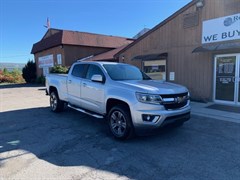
{"x":217,"y":47}
{"x":149,"y":57}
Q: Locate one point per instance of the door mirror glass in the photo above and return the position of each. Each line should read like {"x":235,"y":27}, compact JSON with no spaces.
{"x":97,"y":78}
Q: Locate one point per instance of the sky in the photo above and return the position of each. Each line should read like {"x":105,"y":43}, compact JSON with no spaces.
{"x":22,"y":21}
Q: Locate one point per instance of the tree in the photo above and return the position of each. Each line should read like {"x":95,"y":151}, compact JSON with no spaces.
{"x":5,"y":71}
{"x":29,"y":72}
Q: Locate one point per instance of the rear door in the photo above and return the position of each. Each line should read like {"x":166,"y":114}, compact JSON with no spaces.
{"x":93,"y":93}
{"x":74,"y":84}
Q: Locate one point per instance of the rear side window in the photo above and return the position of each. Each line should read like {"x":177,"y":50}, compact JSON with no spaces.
{"x":78,"y":70}
{"x":93,"y":70}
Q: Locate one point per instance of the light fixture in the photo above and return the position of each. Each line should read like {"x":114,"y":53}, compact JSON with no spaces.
{"x":199,"y":4}
{"x":123,"y":58}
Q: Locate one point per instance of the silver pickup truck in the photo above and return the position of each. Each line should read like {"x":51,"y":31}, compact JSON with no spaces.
{"x":121,"y":93}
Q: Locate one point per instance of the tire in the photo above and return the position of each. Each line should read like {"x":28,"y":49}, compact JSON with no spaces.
{"x":120,"y":122}
{"x":56,"y":104}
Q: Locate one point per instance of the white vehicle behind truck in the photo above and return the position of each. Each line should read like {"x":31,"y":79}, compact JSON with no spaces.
{"x":129,"y":100}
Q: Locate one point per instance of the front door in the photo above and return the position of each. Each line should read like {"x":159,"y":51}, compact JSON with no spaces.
{"x":74,"y":84}
{"x":92,"y":93}
{"x":227,"y":72}
{"x":238,"y":81}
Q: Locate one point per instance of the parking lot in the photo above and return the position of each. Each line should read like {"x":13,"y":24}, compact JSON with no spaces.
{"x":36,"y":143}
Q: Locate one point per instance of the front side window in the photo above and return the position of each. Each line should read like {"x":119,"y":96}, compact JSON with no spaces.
{"x":93,"y":70}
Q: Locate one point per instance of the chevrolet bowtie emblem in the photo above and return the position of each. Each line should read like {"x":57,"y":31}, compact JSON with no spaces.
{"x":179,"y":99}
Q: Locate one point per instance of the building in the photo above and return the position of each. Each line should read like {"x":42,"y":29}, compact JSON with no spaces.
{"x":107,"y":56}
{"x":198,"y":46}
{"x":142,"y":32}
{"x":62,"y":47}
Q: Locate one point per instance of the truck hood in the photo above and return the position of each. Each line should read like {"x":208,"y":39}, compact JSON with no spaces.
{"x":154,"y":86}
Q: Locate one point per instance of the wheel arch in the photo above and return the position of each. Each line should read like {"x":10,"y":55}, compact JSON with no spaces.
{"x":111,"y":102}
{"x":52,"y":88}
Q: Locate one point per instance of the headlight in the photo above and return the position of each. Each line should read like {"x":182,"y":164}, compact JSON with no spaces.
{"x":149,"y":98}
{"x":188,"y":96}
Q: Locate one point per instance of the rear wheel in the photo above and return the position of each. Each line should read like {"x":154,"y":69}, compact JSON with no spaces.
{"x":120,"y":122}
{"x":55,"y":103}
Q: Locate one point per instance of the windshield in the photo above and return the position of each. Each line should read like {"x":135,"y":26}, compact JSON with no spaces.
{"x":125,"y":72}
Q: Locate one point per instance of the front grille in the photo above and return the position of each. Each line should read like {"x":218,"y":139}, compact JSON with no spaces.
{"x":175,"y":101}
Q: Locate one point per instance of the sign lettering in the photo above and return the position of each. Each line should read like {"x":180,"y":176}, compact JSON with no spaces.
{"x":45,"y":61}
{"x":221,"y":29}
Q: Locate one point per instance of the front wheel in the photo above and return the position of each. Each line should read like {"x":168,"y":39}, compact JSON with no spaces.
{"x":55,"y":103}
{"x":120,"y":122}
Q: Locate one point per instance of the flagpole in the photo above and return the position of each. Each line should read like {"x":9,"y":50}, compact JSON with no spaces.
{"x":47,"y":24}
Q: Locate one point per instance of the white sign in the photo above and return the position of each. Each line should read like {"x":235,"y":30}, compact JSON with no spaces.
{"x":45,"y":61}
{"x":59,"y":59}
{"x":221,"y":29}
{"x":172,"y":76}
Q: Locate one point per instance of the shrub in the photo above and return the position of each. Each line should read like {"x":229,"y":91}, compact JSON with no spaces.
{"x":59,"y":69}
{"x":11,"y":77}
{"x":29,"y":72}
{"x":40,"y":80}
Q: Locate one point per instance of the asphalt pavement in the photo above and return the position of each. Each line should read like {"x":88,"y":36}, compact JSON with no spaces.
{"x":38,"y":144}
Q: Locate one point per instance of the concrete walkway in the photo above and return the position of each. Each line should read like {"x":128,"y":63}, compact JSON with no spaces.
{"x":200,"y":109}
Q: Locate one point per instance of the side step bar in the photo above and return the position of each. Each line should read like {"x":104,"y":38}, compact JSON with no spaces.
{"x":86,"y":112}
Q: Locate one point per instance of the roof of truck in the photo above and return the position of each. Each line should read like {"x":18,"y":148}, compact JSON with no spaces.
{"x":95,"y":62}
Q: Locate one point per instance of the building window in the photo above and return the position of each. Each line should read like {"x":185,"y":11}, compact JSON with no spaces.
{"x":155,"y":69}
{"x":59,"y":59}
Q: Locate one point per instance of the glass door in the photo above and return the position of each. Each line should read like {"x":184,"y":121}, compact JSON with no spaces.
{"x":225,"y":74}
{"x":227,"y":85}
{"x":238,"y":80}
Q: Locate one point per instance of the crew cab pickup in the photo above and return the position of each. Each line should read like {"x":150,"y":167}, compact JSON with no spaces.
{"x":124,"y":95}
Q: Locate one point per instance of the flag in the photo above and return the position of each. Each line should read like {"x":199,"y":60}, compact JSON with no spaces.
{"x":48,"y":24}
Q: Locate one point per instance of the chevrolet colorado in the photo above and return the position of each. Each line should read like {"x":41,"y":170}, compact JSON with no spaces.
{"x":121,"y":93}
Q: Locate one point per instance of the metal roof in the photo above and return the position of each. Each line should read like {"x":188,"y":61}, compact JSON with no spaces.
{"x":55,"y":37}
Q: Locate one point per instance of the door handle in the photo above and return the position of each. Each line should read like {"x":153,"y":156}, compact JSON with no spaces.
{"x":69,"y":81}
{"x":84,"y":84}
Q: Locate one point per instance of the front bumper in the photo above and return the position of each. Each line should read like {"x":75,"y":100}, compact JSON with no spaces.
{"x":165,"y":116}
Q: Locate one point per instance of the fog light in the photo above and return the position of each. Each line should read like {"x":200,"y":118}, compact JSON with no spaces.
{"x":150,"y":118}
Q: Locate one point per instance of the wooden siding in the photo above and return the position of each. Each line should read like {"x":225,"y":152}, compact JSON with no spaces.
{"x":73,"y":53}
{"x":69,"y":54}
{"x":194,"y":70}
{"x":54,"y":51}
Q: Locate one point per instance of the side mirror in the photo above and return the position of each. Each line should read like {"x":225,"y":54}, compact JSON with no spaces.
{"x":97,"y":78}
